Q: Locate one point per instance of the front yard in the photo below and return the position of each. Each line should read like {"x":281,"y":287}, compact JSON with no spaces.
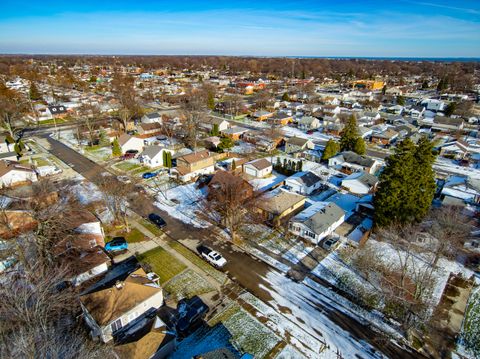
{"x":162,"y":263}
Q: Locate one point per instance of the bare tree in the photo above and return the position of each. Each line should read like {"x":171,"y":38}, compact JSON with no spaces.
{"x":115,"y":195}
{"x":194,"y":111}
{"x":87,"y":115}
{"x":123,"y":86}
{"x":12,"y":108}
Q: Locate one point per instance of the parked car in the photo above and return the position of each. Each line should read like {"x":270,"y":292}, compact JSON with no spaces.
{"x":157,"y":220}
{"x":211,"y":256}
{"x":190,"y":311}
{"x":148,"y":175}
{"x":330,"y":242}
{"x":127,"y":156}
{"x":116,"y":244}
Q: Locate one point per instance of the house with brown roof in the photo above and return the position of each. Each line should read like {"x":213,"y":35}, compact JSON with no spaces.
{"x":110,"y":311}
{"x":157,"y":343}
{"x":279,"y":204}
{"x":149,"y":129}
{"x":195,"y":164}
{"x":226,"y":186}
{"x":14,"y":173}
{"x":258,"y":168}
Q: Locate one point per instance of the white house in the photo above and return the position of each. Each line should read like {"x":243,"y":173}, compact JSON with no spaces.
{"x":360,"y":183}
{"x":152,"y":156}
{"x":12,"y":172}
{"x":258,"y":168}
{"x":317,"y":221}
{"x":349,"y":161}
{"x":303,"y":182}
{"x":108,"y":311}
{"x":153,"y":117}
{"x":307,"y":123}
{"x":128,"y":142}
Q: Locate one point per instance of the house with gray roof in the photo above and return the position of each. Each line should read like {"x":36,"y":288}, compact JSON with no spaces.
{"x":297,"y":144}
{"x":153,"y":117}
{"x":317,"y":221}
{"x":360,"y":183}
{"x":152,"y":156}
{"x":307,"y":123}
{"x":304,"y":183}
{"x":349,"y":162}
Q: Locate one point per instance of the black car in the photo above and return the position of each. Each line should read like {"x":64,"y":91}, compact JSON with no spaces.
{"x":190,"y":311}
{"x":157,"y":220}
{"x":132,"y":152}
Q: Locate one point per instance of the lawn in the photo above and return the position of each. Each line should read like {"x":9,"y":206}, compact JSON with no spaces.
{"x":162,"y":263}
{"x":134,"y":236}
{"x":192,"y":257}
{"x":52,"y":121}
{"x":188,"y":284}
{"x":471,"y":325}
{"x":151,"y":227}
{"x":127,"y":166}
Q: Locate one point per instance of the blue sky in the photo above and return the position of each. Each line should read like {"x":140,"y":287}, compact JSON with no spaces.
{"x":400,"y":28}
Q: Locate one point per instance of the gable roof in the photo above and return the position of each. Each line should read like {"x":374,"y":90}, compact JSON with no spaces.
{"x":150,"y":126}
{"x":151,"y":151}
{"x":306,"y":178}
{"x":320,"y":216}
{"x":352,"y":157}
{"x":153,"y":115}
{"x":298,"y":141}
{"x":260,"y":164}
{"x":6,"y":166}
{"x":196,"y":156}
{"x":109,"y":304}
{"x":278,"y":201}
{"x":124,"y":138}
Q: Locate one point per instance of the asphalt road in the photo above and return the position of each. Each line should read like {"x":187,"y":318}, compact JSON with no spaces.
{"x":248,"y":272}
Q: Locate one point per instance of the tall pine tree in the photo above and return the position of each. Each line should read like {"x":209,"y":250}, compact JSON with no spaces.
{"x":407,"y":184}
{"x":349,"y":137}
{"x":331,"y":149}
{"x":116,"y":149}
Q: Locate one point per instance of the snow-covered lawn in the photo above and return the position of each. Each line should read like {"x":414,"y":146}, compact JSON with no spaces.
{"x":263,"y":184}
{"x":86,"y":192}
{"x":266,"y":258}
{"x":187,"y":284}
{"x":243,"y":148}
{"x":446,"y":165}
{"x":183,"y":203}
{"x":297,"y":252}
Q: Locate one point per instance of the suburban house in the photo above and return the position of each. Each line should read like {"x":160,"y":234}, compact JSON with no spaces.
{"x":262,"y":115}
{"x":157,"y":343}
{"x":84,"y":263}
{"x":433,"y":105}
{"x":235,"y":133}
{"x":317,"y":221}
{"x":458,"y":150}
{"x":128,"y":142}
{"x":225,"y":186}
{"x":153,"y":117}
{"x":258,"y":168}
{"x":296,"y":145}
{"x":446,"y":124}
{"x":153,"y":156}
{"x":384,"y":137}
{"x":308,"y":123}
{"x":281,"y":118}
{"x":360,"y":183}
{"x":13,"y":173}
{"x":303,"y":182}
{"x":349,"y":162}
{"x":195,"y":164}
{"x":279,"y":204}
{"x":149,"y":129}
{"x":211,"y":122}
{"x":109,"y":311}
{"x":459,"y":191}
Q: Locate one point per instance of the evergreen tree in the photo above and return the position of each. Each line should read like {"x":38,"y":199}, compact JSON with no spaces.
{"x":278,"y":165}
{"x":226,"y":143}
{"x":349,"y":135}
{"x":169,"y":159}
{"x":425,"y":85}
{"x":289,"y":164}
{"x":116,"y":149}
{"x":331,"y":149}
{"x":165,"y":158}
{"x":215,"y":130}
{"x":299,"y":166}
{"x":284,"y":164}
{"x":360,"y":146}
{"x":450,"y":109}
{"x":34,"y":94}
{"x":211,"y":101}
{"x":103,"y":137}
{"x":407,"y":184}
{"x":234,"y":165}
{"x":400,"y":100}
{"x":384,"y":90}
{"x":285,"y":97}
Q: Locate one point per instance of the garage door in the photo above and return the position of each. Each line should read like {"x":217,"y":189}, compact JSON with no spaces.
{"x":250,"y":171}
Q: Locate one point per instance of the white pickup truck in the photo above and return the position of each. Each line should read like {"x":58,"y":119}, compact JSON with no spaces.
{"x":211,"y":256}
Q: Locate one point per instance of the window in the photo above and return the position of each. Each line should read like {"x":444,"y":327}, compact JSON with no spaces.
{"x":310,"y":234}
{"x":116,"y":325}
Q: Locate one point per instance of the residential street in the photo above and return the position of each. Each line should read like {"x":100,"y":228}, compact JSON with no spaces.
{"x":260,"y":279}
